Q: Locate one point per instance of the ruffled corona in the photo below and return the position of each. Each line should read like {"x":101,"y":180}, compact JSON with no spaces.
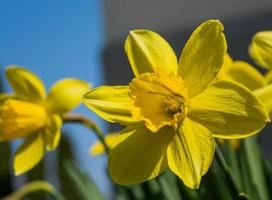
{"x":159,"y":99}
{"x":20,"y":118}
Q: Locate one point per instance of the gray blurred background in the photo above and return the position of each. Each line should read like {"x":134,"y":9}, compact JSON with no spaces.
{"x":175,"y":20}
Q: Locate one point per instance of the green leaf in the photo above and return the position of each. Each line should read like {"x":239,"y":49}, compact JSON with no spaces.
{"x":169,"y":186}
{"x":214,"y":181}
{"x":255,"y":168}
{"x":80,"y":185}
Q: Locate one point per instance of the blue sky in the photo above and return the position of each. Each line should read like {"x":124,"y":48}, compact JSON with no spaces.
{"x":58,"y":39}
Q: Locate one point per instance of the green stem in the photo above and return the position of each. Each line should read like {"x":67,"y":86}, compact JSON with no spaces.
{"x":234,"y":189}
{"x":34,"y":186}
{"x":78,"y":118}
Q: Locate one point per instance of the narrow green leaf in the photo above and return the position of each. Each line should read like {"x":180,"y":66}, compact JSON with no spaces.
{"x":169,"y":187}
{"x":79,"y":182}
{"x":214,"y":181}
{"x":255,"y":167}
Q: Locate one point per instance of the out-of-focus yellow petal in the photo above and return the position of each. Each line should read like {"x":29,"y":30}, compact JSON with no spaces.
{"x":260,"y":49}
{"x":98,"y":148}
{"x":25,"y":84}
{"x":203,"y":56}
{"x":225,"y":67}
{"x":112,"y":103}
{"x":148,"y":51}
{"x":20,"y":119}
{"x":229,"y":110}
{"x":234,"y":144}
{"x":265,"y":95}
{"x":5,"y":96}
{"x":245,"y":74}
{"x":29,"y":154}
{"x":268,"y":77}
{"x":139,"y":155}
{"x":190,"y":154}
{"x":52,"y":132}
{"x":66,"y":94}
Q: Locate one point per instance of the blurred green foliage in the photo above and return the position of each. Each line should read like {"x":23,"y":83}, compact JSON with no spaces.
{"x":249,"y":169}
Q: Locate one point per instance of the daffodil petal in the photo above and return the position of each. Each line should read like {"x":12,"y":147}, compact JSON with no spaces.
{"x":203,"y":56}
{"x":265,"y":95}
{"x":190,"y":153}
{"x":260,"y":49}
{"x":228,"y":62}
{"x":29,"y":154}
{"x":139,"y":155}
{"x":98,"y":148}
{"x":245,"y":74}
{"x":147,"y":51}
{"x":66,"y":95}
{"x":52,"y":132}
{"x":112,"y":103}
{"x":25,"y":84}
{"x":229,"y":110}
{"x":5,"y":96}
{"x":268,"y":77}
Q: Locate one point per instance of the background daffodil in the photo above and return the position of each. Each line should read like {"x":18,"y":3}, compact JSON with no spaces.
{"x":260,"y":51}
{"x":172,"y":110}
{"x":28,"y":113}
{"x":241,"y":72}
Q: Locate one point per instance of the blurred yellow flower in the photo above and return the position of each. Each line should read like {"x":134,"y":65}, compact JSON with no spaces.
{"x":241,"y":72}
{"x":260,"y":49}
{"x":247,"y":75}
{"x":173,"y":110}
{"x":30,"y":114}
{"x":98,"y":148}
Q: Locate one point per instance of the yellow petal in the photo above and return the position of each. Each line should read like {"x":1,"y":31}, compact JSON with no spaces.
{"x":228,"y":62}
{"x":203,"y":56}
{"x":148,"y":51}
{"x":229,"y":110}
{"x":265,"y":95}
{"x":268,"y":77}
{"x":139,"y":155}
{"x":29,"y":154}
{"x":112,"y":103}
{"x":98,"y":148}
{"x":66,"y":94}
{"x":190,"y":154}
{"x":234,"y":144}
{"x":245,"y":74}
{"x":25,"y":84}
{"x":20,"y":119}
{"x":5,"y":96}
{"x":260,"y":49}
{"x":52,"y":132}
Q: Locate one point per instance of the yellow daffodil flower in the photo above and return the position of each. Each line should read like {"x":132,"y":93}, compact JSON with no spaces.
{"x":260,"y":49}
{"x":172,"y":110}
{"x":30,"y":114}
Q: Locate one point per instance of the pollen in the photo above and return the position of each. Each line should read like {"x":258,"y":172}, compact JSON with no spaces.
{"x":20,"y":118}
{"x":159,"y":99}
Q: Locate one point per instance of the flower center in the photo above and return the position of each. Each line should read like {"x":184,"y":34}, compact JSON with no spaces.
{"x":20,"y":118}
{"x":159,"y":99}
